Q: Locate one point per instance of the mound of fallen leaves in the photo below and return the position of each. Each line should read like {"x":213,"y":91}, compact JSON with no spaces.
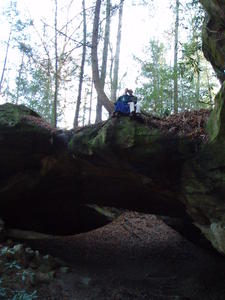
{"x":188,"y":123}
{"x":38,"y":121}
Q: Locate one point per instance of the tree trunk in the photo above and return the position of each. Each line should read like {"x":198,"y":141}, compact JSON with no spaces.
{"x":90,"y":104}
{"x":117,"y":55}
{"x":175,"y":87}
{"x":155,"y":91}
{"x":84,"y":112}
{"x":104,"y":59}
{"x":81,"y":77}
{"x":19,"y":78}
{"x":55,"y":102}
{"x":98,"y":117}
{"x":94,"y":61}
{"x":209,"y":87}
{"x":198,"y":80}
{"x":5,"y":60}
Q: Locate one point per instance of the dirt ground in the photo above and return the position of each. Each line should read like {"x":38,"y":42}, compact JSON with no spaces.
{"x":135,"y":257}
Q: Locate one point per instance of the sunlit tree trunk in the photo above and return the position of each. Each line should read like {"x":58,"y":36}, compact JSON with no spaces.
{"x":81,"y":77}
{"x":197,"y":90}
{"x":94,"y":60}
{"x":155,"y":89}
{"x":19,"y":79}
{"x":104,"y":59}
{"x":84,"y":112}
{"x":56,"y":84}
{"x":209,"y":87}
{"x":5,"y":60}
{"x":175,"y":87}
{"x":198,"y":83}
{"x":182,"y":104}
{"x":90,"y":104}
{"x":117,"y":55}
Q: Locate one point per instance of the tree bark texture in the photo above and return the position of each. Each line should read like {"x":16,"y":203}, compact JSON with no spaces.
{"x":175,"y":87}
{"x":117,"y":54}
{"x":81,"y":77}
{"x":19,"y":79}
{"x":90,"y":104}
{"x":213,"y":35}
{"x":5,"y":60}
{"x":55,"y":102}
{"x":94,"y":60}
{"x":104,"y":58}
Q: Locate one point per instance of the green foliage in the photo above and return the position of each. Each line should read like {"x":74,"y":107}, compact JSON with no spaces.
{"x":25,"y":274}
{"x":16,"y":295}
{"x":23,"y":295}
{"x":13,"y":265}
{"x":189,"y":61}
{"x":2,"y":290}
{"x":6,"y":292}
{"x":195,"y":80}
{"x":33,"y":88}
{"x":155,"y":80}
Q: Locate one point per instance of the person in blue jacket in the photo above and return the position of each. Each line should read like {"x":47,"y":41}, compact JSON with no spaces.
{"x":125,"y":103}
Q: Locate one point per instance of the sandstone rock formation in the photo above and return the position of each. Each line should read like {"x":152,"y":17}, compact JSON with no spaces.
{"x":214,"y":34}
{"x":49,"y":180}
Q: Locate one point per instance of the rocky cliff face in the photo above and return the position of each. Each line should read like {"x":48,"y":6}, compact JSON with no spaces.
{"x":214,"y":35}
{"x":204,"y":180}
{"x":204,"y":176}
{"x":49,"y":180}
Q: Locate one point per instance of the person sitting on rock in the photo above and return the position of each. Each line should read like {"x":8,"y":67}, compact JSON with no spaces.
{"x":126,"y":104}
{"x":134,"y":106}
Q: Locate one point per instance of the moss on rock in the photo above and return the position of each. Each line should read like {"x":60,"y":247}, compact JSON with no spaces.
{"x":11,"y":114}
{"x":214,"y":35}
{"x":216,"y":123}
{"x":116,"y":134}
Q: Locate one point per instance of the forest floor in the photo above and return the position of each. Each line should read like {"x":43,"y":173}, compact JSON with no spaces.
{"x":135,"y":257}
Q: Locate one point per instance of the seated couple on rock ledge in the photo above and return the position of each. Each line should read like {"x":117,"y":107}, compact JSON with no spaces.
{"x":127,"y":104}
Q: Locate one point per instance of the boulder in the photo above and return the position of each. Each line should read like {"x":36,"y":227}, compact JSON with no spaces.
{"x":51,"y":185}
{"x":213,"y":35}
{"x":203,"y":180}
{"x":63,"y":182}
{"x":37,"y":174}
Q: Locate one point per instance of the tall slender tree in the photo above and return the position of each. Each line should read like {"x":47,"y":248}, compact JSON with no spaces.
{"x":19,"y":79}
{"x":175,"y":87}
{"x":55,"y":102}
{"x":155,"y":80}
{"x":81,"y":76}
{"x":104,"y":58}
{"x":5,"y":59}
{"x":16,"y":34}
{"x":90,"y":104}
{"x":114,"y":86}
{"x":94,"y":60}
